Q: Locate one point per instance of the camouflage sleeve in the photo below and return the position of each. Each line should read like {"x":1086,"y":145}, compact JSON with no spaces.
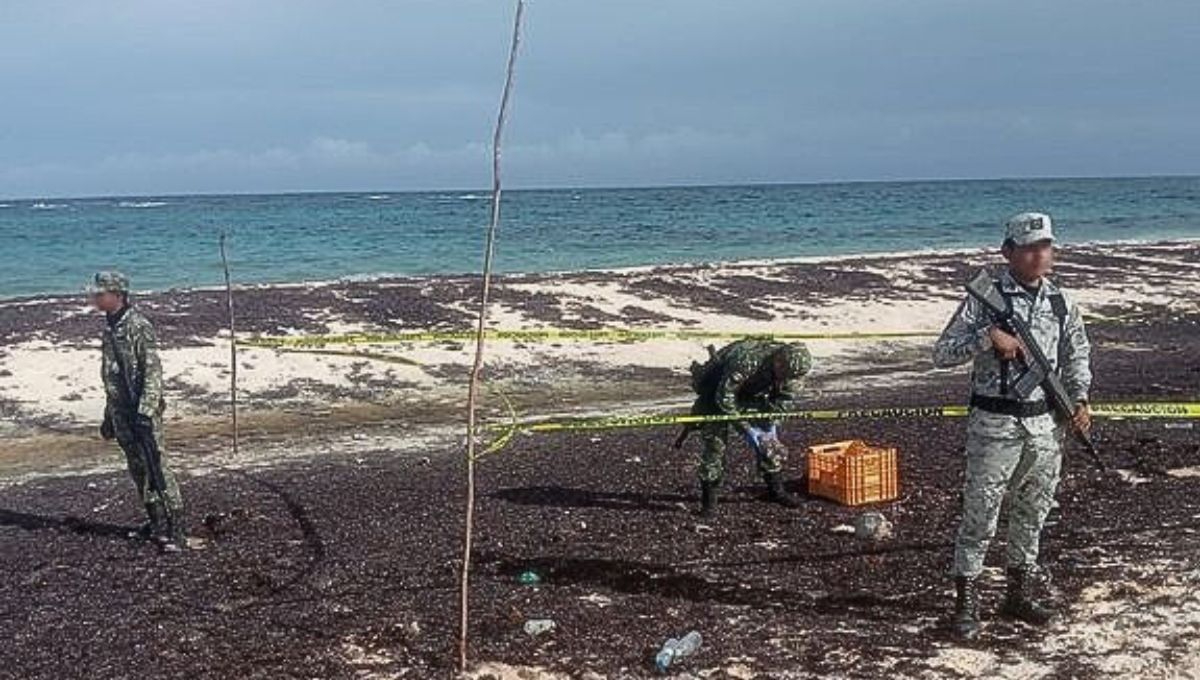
{"x":736,"y":373}
{"x":145,"y":348}
{"x":787,"y":395}
{"x":1076,"y":357}
{"x":785,"y":400}
{"x":965,"y":337}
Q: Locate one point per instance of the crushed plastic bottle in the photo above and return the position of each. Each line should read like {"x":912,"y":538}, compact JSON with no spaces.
{"x":872,"y":526}
{"x":536,"y":627}
{"x":674,"y":650}
{"x":529,"y":578}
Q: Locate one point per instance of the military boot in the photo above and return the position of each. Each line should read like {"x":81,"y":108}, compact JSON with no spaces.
{"x":150,"y":528}
{"x":179,"y":530}
{"x":777,"y":494}
{"x":171,"y":536}
{"x":708,"y":498}
{"x":1019,"y":603}
{"x":965,"y":621}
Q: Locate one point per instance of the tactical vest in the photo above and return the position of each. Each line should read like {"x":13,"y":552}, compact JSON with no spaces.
{"x":706,"y":377}
{"x":1058,"y":305}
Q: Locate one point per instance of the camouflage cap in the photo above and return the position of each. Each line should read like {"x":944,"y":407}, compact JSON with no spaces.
{"x":799,"y":359}
{"x":108,"y":282}
{"x":1027,"y":228}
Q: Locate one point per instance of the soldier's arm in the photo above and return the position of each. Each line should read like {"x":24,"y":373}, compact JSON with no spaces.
{"x":736,"y":373}
{"x":146,"y":350}
{"x":1076,"y":356}
{"x":965,"y":337}
{"x":787,"y":396}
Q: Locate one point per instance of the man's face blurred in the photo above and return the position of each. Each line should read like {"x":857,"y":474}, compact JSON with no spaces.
{"x":107,"y":301}
{"x":1031,"y":262}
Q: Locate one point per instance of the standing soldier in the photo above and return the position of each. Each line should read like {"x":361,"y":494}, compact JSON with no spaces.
{"x":1013,"y":442}
{"x":133,"y":413}
{"x":748,"y":376}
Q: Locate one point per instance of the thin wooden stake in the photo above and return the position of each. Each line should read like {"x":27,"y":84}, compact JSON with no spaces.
{"x":477,"y":366}
{"x":233,"y":364}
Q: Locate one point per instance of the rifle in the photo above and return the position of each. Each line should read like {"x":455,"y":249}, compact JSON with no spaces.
{"x":1037,"y":372}
{"x":147,"y":446}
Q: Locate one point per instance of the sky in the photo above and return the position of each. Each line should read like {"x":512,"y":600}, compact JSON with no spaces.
{"x":146,"y":97}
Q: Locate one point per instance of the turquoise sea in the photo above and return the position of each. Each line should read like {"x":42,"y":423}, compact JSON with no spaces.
{"x":51,"y":246}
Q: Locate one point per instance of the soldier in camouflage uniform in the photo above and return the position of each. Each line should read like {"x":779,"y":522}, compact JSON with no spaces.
{"x":749,"y":375}
{"x":131,"y":371}
{"x":1013,"y":444}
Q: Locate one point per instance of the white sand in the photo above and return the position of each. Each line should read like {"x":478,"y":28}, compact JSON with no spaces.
{"x":62,"y":384}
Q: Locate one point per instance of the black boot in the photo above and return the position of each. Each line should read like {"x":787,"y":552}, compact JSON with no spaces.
{"x":708,"y":498}
{"x":1018,"y":599}
{"x":151,"y":527}
{"x":171,"y":535}
{"x":178,"y":530}
{"x":965,"y":621}
{"x":776,"y":492}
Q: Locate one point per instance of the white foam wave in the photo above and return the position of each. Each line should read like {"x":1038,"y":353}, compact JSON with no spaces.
{"x":141,"y":204}
{"x":48,"y":206}
{"x":378,"y":197}
{"x":472,"y":197}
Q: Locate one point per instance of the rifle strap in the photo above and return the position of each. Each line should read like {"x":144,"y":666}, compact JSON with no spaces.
{"x":1005,"y":364}
{"x":131,"y":393}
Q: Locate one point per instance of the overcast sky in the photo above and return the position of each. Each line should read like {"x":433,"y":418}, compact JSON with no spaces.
{"x":171,"y":96}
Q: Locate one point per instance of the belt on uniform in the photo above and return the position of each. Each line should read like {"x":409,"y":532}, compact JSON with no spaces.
{"x":1010,"y":407}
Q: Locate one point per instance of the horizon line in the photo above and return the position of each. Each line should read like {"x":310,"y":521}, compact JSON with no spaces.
{"x":603,"y":187}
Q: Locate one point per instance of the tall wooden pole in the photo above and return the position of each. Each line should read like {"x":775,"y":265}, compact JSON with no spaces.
{"x":477,"y":366}
{"x":233,"y":364}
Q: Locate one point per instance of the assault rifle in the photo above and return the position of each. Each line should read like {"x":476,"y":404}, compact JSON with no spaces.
{"x":1036,"y":370}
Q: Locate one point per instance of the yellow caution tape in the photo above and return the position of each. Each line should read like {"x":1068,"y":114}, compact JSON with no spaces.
{"x":509,"y":431}
{"x":557,"y":334}
{"x":1147,"y":410}
{"x":374,"y":356}
{"x":600,"y":334}
{"x":1112,"y":411}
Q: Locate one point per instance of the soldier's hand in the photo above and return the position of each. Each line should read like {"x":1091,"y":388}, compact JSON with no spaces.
{"x":1006,"y":345}
{"x":1082,"y":420}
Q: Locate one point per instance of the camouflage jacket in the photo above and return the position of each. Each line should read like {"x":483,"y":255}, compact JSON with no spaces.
{"x":129,"y":348}
{"x":966,"y":339}
{"x":747,"y":381}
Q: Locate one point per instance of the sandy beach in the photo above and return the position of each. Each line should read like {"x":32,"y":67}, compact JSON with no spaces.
{"x":329,"y":549}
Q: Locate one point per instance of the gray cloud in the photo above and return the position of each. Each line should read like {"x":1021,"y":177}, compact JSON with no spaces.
{"x":158,"y":96}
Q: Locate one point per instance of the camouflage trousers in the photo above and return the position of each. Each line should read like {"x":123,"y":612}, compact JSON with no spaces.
{"x":123,"y":429}
{"x":714,"y":439}
{"x":1022,"y":457}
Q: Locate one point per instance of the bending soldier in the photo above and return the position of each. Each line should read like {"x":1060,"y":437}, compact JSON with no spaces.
{"x":748,"y":376}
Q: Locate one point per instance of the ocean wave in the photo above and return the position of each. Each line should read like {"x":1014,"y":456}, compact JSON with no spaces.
{"x":471,"y":197}
{"x":378,"y":197}
{"x":141,"y":204}
{"x":48,"y":206}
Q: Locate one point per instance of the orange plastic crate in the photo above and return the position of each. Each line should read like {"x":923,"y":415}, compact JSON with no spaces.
{"x":853,"y":473}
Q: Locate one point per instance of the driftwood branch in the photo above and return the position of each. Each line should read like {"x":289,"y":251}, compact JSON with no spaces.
{"x":233,"y":363}
{"x":477,"y":366}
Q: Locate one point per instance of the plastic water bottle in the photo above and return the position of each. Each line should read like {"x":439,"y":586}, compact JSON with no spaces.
{"x":535,"y":627}
{"x":675,"y":650}
{"x":529,"y":578}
